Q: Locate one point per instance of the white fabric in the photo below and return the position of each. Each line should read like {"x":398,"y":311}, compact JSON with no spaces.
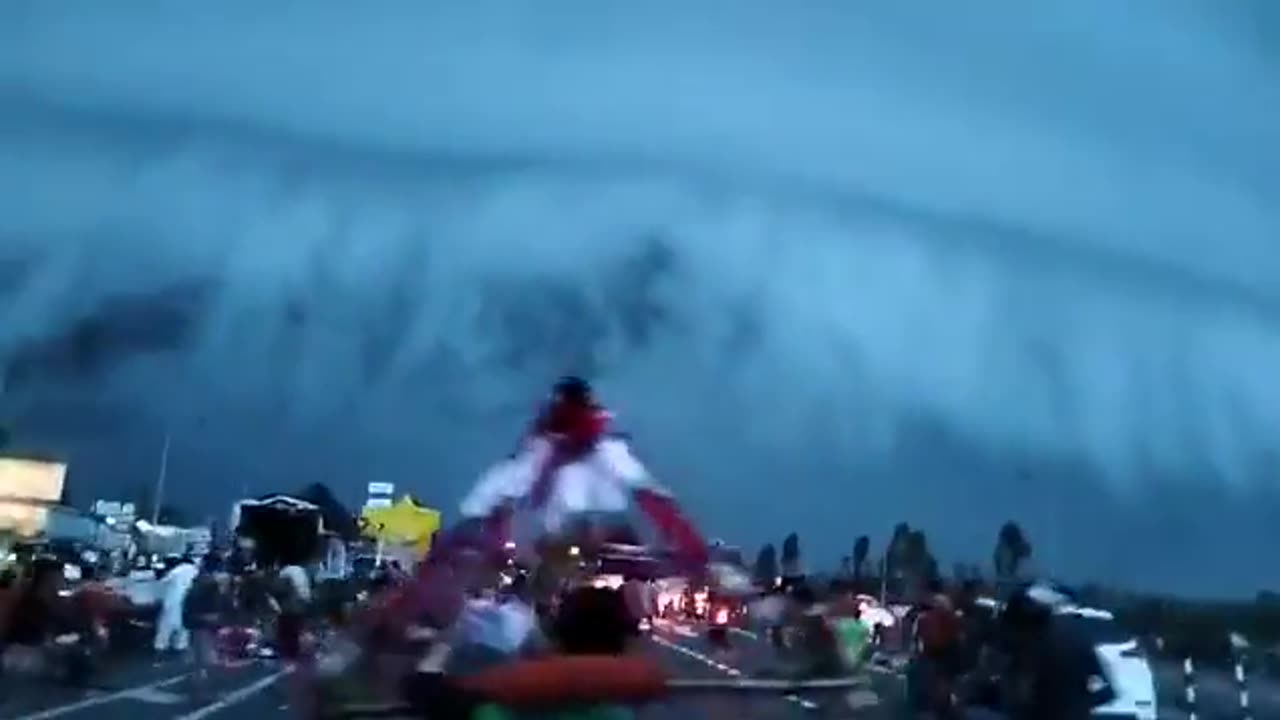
{"x":582,"y":487}
{"x":171,"y":634}
{"x":298,"y":579}
{"x":615,"y":457}
{"x":509,"y":479}
{"x":502,"y":626}
{"x":518,"y":622}
{"x":601,"y":482}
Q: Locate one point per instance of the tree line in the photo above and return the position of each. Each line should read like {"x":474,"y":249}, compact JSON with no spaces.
{"x":905,"y":566}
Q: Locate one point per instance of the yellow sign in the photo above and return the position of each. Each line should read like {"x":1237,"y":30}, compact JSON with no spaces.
{"x":404,"y":523}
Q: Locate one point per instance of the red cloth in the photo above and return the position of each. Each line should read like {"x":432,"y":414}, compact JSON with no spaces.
{"x":99,"y":601}
{"x":673,"y":527}
{"x":938,"y":631}
{"x":573,"y":431}
{"x":557,"y":680}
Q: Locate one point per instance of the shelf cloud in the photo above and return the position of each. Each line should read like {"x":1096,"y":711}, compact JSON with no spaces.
{"x":848,"y":265}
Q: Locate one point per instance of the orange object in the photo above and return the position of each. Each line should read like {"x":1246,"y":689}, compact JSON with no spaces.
{"x":570,"y":679}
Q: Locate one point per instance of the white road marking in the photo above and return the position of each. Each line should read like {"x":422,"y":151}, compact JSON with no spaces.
{"x":745,"y":633}
{"x":861,"y":699}
{"x":704,"y":659}
{"x":96,"y":700}
{"x":235,"y":696}
{"x":156,"y":696}
{"x":805,"y":703}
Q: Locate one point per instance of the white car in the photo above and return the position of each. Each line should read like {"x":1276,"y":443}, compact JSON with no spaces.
{"x":1123,"y":660}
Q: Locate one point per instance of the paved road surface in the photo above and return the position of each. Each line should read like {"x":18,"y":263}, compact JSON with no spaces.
{"x":687,"y":653}
{"x":1216,"y":689}
{"x":1218,"y":698}
{"x":147,"y":691}
{"x":142,"y":690}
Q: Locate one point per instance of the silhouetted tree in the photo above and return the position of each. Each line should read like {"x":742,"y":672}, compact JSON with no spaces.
{"x":766,"y":569}
{"x":895,"y":552}
{"x":861,"y":549}
{"x":1011,"y":552}
{"x":791,"y":556}
{"x":846,"y":567}
{"x":919,"y":567}
{"x":337,"y":518}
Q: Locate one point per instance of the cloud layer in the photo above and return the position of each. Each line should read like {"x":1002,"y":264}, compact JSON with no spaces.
{"x":826,"y":263}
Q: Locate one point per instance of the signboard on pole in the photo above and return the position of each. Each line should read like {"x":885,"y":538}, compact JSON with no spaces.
{"x":116,"y":513}
{"x":379,"y":495}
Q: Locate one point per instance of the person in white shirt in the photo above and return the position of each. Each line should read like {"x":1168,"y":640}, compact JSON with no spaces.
{"x":171,"y":633}
{"x":294,"y":603}
{"x":299,"y":580}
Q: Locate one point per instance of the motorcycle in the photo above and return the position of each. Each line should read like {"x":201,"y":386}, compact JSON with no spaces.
{"x":718,"y":632}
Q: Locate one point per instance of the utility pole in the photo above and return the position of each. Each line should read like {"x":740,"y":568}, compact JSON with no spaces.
{"x":161,"y":476}
{"x":884,"y":578}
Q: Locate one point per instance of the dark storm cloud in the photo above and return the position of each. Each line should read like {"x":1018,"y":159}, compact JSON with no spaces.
{"x":834,"y":268}
{"x":114,"y":331}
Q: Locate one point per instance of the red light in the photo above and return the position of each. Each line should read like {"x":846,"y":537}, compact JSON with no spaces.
{"x":722,"y":616}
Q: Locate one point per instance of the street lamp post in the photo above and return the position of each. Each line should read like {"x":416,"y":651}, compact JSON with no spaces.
{"x":161,"y":476}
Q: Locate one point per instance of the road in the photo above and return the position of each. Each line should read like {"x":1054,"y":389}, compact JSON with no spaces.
{"x":1216,"y":690}
{"x":687,"y":654}
{"x":142,"y":690}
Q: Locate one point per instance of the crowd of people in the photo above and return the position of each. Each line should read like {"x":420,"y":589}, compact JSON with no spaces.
{"x":380,"y":636}
{"x":1015,"y":656}
{"x":451,"y":637}
{"x":59,"y":625}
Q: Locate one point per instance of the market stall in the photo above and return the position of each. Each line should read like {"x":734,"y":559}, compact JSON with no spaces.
{"x":283,"y":529}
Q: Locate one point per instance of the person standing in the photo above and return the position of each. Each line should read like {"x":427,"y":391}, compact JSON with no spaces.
{"x":171,"y":633}
{"x":206,"y":610}
{"x":294,"y":601}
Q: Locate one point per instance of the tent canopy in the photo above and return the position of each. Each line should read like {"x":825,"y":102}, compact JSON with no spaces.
{"x":405,"y":523}
{"x":285,"y":528}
